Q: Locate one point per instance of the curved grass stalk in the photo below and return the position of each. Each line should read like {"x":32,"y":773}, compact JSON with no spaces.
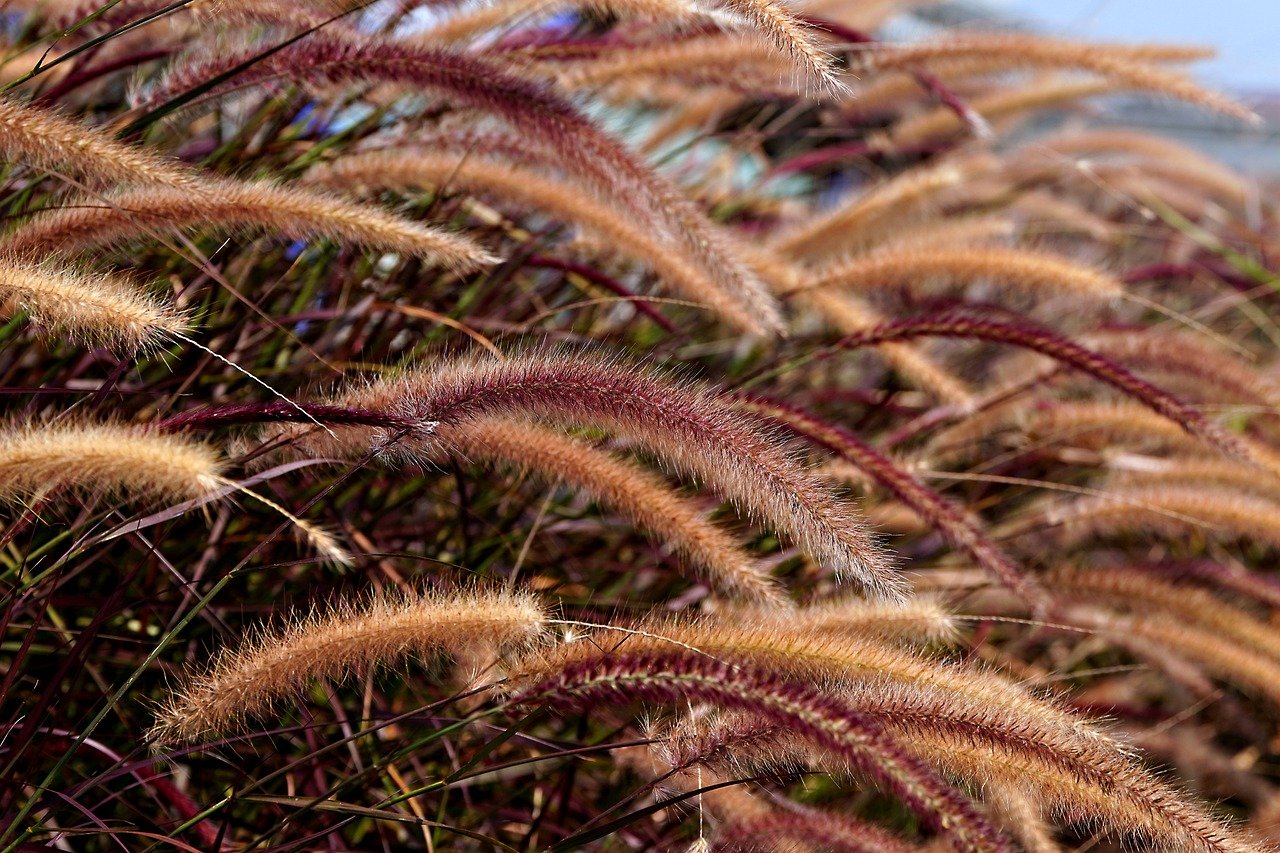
{"x":1029,"y":336}
{"x":636,"y":492}
{"x":1020,"y":51}
{"x":1120,"y":792}
{"x":920,"y":621}
{"x":960,"y":530}
{"x":828,"y":234}
{"x":1022,"y":269}
{"x":1147,"y":593}
{"x":1171,"y":511}
{"x":722,"y":60}
{"x":577,"y":678}
{"x":942,"y":122}
{"x":851,"y":315}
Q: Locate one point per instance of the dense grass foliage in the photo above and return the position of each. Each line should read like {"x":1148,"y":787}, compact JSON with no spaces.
{"x":626,"y":425}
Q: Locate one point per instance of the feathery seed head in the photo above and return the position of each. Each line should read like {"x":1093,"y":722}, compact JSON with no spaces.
{"x":346,"y":640}
{"x":141,"y":465}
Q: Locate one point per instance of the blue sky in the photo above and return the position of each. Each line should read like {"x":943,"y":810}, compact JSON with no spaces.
{"x":1247,"y":32}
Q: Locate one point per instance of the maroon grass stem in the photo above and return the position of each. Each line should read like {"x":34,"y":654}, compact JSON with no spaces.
{"x":960,"y":531}
{"x":210,"y":417}
{"x":74,"y":81}
{"x":609,"y":283}
{"x":1028,"y":335}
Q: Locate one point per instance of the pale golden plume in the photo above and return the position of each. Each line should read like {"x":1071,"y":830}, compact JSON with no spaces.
{"x":345,"y":640}
{"x":724,"y":60}
{"x":42,"y":139}
{"x":85,"y":305}
{"x":921,"y":621}
{"x":1146,"y":593}
{"x":37,"y":459}
{"x":848,"y":314}
{"x":1021,"y":815}
{"x":1218,"y":653}
{"x":848,"y":657}
{"x":947,"y":231}
{"x":1024,"y":269}
{"x":1154,"y":151}
{"x":941,"y":122}
{"x":828,"y":234}
{"x":1125,"y":67}
{"x":479,"y":20}
{"x":1210,"y":512}
{"x":1046,"y":212}
{"x":140,"y":213}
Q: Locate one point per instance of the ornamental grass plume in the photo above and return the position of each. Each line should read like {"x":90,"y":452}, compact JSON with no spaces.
{"x":528,"y":108}
{"x":923,"y":621}
{"x":43,"y":139}
{"x":1117,"y":64}
{"x":39,"y":459}
{"x":694,"y":430}
{"x":1125,"y":801}
{"x":436,"y":252}
{"x":851,"y":315}
{"x":639,"y":494}
{"x":959,"y":529}
{"x":405,"y":168}
{"x":568,"y":679}
{"x":822,"y":236}
{"x":1212,"y":372}
{"x":346,"y":640}
{"x":913,"y":267}
{"x":87,"y":306}
{"x":722,"y":60}
{"x":1145,"y":591}
{"x":1150,"y":151}
{"x":1255,"y":673}
{"x":129,"y":214}
{"x":1071,"y":759}
{"x":1170,"y":511}
{"x":942,"y":122}
{"x":744,"y":821}
{"x":1029,"y":336}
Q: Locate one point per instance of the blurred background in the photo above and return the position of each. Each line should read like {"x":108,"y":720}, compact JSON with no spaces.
{"x":1246,"y":33}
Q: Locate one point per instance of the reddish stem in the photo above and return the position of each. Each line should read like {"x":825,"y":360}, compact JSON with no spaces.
{"x":87,"y":75}
{"x":609,"y":283}
{"x":1028,"y":335}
